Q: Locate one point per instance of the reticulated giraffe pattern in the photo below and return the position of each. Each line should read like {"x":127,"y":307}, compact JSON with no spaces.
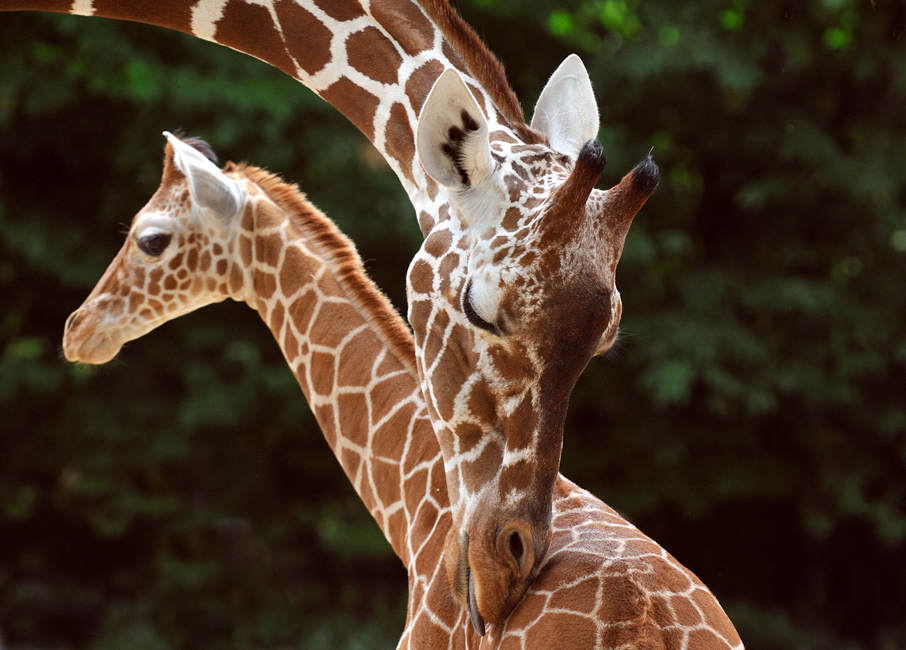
{"x":241,"y":233}
{"x":418,"y":82}
{"x":253,"y":238}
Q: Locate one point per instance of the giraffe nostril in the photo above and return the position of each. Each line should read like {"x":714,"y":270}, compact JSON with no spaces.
{"x":517,"y":548}
{"x":515,"y":545}
{"x":74,"y":319}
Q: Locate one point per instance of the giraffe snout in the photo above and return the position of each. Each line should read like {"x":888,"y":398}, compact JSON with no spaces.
{"x":85,"y":343}
{"x":491,"y":567}
{"x":71,"y":341}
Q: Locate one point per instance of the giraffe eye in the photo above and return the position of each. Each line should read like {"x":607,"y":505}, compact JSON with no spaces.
{"x":472,"y":316}
{"x":154,"y":244}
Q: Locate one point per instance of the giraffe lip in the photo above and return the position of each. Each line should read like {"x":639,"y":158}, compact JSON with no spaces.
{"x":474,"y":615}
{"x":94,"y":349}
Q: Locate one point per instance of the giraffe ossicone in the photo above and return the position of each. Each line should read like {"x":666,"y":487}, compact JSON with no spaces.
{"x":603,"y":583}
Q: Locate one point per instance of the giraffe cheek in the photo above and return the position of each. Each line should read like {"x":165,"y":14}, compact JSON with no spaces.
{"x":480,"y":472}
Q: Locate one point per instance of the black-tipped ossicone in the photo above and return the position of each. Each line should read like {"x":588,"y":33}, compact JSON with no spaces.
{"x":592,"y":159}
{"x":585,"y":174}
{"x":645,"y":176}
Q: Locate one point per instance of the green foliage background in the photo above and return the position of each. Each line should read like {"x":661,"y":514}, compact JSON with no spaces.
{"x":753,"y":420}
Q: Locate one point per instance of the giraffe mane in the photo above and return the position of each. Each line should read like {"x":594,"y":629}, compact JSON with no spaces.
{"x":341,"y":256}
{"x":482,"y":65}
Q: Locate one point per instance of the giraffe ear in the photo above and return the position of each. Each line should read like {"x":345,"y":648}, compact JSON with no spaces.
{"x":210,"y":189}
{"x":452,"y":135}
{"x":567,"y":112}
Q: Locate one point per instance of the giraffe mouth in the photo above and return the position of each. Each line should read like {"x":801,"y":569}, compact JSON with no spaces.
{"x":474,"y":614}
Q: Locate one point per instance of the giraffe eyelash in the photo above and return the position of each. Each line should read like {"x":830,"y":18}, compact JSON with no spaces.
{"x":154,"y":244}
{"x":472,"y":316}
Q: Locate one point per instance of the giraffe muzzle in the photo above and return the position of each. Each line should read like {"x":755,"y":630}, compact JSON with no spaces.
{"x":73,"y":340}
{"x":496,"y":584}
{"x":83,"y":342}
{"x":73,"y":320}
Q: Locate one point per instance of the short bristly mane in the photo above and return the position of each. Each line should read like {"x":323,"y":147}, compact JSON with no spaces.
{"x":482,"y":65}
{"x":341,"y":256}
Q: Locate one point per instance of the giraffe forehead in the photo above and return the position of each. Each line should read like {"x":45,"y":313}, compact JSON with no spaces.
{"x":172,"y":195}
{"x":498,"y":258}
{"x":531,"y":174}
{"x":527,"y":176}
{"x":540,"y":157}
{"x":526,"y":255}
{"x":168,"y":205}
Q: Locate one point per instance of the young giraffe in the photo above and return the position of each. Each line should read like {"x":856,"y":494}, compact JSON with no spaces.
{"x":241,"y":233}
{"x":513,"y":290}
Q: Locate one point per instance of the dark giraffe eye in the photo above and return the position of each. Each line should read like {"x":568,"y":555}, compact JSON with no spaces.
{"x":472,"y":316}
{"x":155,"y":244}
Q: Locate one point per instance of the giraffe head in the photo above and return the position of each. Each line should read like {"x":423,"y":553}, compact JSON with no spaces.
{"x":179,"y":255}
{"x":511,"y":294}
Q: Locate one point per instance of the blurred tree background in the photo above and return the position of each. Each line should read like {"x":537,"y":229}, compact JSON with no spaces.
{"x":753,"y":420}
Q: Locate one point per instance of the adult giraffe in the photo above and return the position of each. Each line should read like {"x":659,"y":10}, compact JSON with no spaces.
{"x":241,"y":233}
{"x":513,"y":290}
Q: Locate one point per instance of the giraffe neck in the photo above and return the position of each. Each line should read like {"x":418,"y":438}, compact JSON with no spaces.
{"x":374,"y":62}
{"x":352,"y":355}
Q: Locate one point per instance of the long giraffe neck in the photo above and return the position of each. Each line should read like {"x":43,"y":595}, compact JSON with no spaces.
{"x":351,"y":354}
{"x":467,"y":161}
{"x":603,"y":584}
{"x":374,"y":62}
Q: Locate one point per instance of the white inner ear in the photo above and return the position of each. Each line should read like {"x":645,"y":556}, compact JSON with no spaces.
{"x":443,"y":110}
{"x":209,"y":187}
{"x":567,"y":112}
